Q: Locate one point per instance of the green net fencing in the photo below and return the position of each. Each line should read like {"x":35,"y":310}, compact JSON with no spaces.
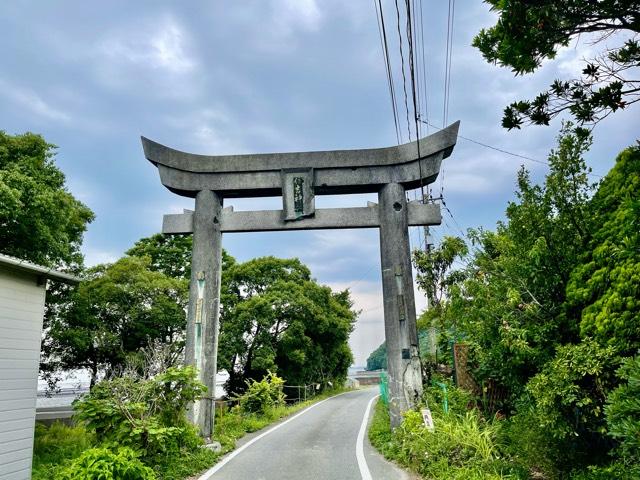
{"x":384,"y":387}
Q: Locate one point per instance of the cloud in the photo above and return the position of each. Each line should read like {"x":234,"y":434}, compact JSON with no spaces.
{"x":32,"y":101}
{"x":94,"y":256}
{"x":297,"y":14}
{"x":163,"y":46}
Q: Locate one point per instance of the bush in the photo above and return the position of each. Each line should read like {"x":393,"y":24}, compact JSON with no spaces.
{"x":105,"y":464}
{"x":57,"y":444}
{"x":569,"y":394}
{"x":463,"y":445}
{"x":616,"y":470}
{"x":531,"y":447}
{"x":146,"y":415}
{"x":623,"y":410}
{"x":263,"y":395}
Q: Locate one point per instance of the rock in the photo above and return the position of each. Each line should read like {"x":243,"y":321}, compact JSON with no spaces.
{"x":213,"y":446}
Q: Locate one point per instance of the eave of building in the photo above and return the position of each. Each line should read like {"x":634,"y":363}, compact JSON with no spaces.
{"x":21,"y":265}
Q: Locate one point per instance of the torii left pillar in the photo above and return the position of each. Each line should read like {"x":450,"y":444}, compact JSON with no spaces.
{"x":204,"y":304}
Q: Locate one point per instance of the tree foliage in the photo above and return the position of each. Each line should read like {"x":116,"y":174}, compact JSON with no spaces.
{"x":115,"y":311}
{"x":39,"y":218}
{"x":510,"y":306}
{"x":527,"y":33}
{"x":171,"y":254}
{"x":605,"y":287}
{"x":623,"y":410}
{"x":281,"y":320}
{"x":434,"y":268}
{"x":377,"y":360}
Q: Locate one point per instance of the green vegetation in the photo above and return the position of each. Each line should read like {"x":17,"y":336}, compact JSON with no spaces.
{"x":134,"y":427}
{"x":378,"y":358}
{"x":118,"y":309}
{"x":547,"y":306}
{"x":278,"y":319}
{"x":528,"y":33}
{"x":464,"y":445}
{"x":107,"y":464}
{"x":263,"y":395}
{"x":39,"y":219}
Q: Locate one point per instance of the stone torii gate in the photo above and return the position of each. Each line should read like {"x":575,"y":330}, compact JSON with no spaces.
{"x":298,"y":177}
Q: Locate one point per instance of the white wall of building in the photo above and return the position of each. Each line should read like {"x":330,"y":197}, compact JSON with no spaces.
{"x":21,"y":311}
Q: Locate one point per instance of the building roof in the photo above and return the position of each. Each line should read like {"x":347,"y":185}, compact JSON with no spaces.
{"x":38,"y":270}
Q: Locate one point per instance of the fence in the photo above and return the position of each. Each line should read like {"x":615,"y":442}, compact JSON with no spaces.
{"x":384,"y":387}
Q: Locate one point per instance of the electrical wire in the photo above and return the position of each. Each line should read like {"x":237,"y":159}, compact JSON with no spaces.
{"x":404,"y":78}
{"x":507,"y":152}
{"x":385,"y":56}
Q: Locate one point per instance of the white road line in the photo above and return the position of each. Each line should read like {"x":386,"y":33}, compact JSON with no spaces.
{"x":362,"y":461}
{"x":209,"y":473}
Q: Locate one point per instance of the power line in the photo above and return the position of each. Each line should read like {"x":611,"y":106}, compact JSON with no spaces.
{"x":507,"y":152}
{"x":404,"y":78}
{"x":448,"y":58}
{"x":385,"y":56}
{"x":424,"y":68}
{"x":410,"y":39}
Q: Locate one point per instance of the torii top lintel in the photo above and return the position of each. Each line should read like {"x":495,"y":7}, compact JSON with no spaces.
{"x":332,"y":172}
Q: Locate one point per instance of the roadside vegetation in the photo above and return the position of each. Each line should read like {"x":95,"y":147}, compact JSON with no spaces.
{"x":134,"y":427}
{"x":545,"y":310}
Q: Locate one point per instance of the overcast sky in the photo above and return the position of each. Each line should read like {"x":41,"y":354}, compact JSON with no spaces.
{"x":262,"y":76}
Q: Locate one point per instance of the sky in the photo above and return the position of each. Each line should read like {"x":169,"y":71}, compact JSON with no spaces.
{"x":266,"y":76}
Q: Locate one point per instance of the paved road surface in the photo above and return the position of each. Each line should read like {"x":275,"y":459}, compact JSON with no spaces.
{"x":320,"y":443}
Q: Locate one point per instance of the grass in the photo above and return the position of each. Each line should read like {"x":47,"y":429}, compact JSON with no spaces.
{"x":462,"y":447}
{"x":57,"y":445}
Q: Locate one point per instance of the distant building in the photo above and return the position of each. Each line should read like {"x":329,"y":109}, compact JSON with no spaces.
{"x":22,"y":293}
{"x":366,"y":377}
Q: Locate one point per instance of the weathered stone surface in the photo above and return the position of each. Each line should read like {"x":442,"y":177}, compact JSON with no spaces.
{"x":387,"y":171}
{"x":339,"y":171}
{"x":330,"y":218}
{"x":201,"y":348}
{"x":213,"y":446}
{"x":401,"y":334}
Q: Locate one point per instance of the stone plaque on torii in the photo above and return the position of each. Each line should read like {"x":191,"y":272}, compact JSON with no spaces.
{"x":298,"y":177}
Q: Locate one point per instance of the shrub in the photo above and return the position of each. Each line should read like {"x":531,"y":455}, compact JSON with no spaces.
{"x":146,"y":415}
{"x":263,"y":395}
{"x":462,"y":446}
{"x":616,"y":470}
{"x":531,"y":447}
{"x":570,"y":392}
{"x":105,"y":464}
{"x":57,"y":444}
{"x":623,"y":410}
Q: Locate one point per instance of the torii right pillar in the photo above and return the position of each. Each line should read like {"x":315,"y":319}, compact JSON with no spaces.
{"x":403,"y":358}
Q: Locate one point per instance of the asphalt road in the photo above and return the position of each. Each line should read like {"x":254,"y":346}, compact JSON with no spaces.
{"x":327,"y":441}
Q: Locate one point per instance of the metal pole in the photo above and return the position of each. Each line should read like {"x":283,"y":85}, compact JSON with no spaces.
{"x":403,"y":359}
{"x":204,"y":304}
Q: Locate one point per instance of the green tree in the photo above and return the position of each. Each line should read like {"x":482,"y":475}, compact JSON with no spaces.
{"x":604,"y":288}
{"x":283,"y":321}
{"x":527,"y":33}
{"x":623,"y":411}
{"x":171,"y":254}
{"x":378,"y":358}
{"x":118,"y":309}
{"x":511,"y":306}
{"x":39,"y":218}
{"x":434,"y":268}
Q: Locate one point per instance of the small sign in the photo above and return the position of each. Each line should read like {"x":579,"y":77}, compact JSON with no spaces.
{"x":297,"y":193}
{"x":427,"y":419}
{"x":199,"y":310}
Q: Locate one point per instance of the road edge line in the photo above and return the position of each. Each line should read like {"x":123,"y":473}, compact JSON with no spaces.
{"x":365,"y":473}
{"x":207,"y":475}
